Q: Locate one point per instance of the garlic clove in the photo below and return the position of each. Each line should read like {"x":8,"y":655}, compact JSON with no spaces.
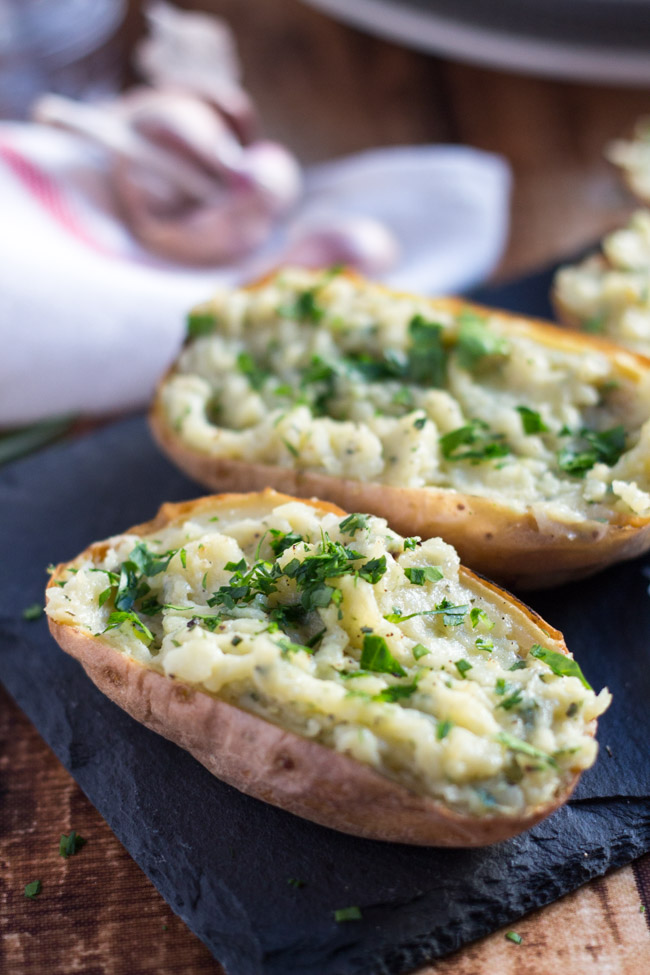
{"x":321,"y":240}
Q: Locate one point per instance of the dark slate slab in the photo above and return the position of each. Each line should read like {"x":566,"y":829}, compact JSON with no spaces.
{"x":223,"y":860}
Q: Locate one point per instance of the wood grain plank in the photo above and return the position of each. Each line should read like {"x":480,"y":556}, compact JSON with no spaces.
{"x":98,"y":913}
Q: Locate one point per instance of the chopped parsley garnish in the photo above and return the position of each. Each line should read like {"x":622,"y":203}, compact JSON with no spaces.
{"x":354,"y":523}
{"x":452,"y":615}
{"x":519,"y":745}
{"x":514,"y":937}
{"x":418,"y":575}
{"x":33,"y":612}
{"x":294,"y":882}
{"x":396,"y":692}
{"x":474,"y":442}
{"x":419,"y":651}
{"x":347,"y":914}
{"x":33,"y":889}
{"x":304,"y":307}
{"x":592,"y":448}
{"x":281,"y":541}
{"x":443,"y":728}
{"x":391,"y":365}
{"x":531,"y":421}
{"x":462,"y":666}
{"x":478,"y":615}
{"x":249,"y":368}
{"x":403,"y":397}
{"x":290,"y":447}
{"x":518,"y":665}
{"x":377,"y":658}
{"x":484,"y":643}
{"x":560,"y":664}
{"x":69,"y":845}
{"x":595,"y":325}
{"x":200,"y":322}
{"x":512,"y":700}
{"x":183,"y":557}
{"x":477,"y":345}
{"x":410,"y":544}
{"x":373,"y":570}
{"x":288,"y":646}
{"x":138,"y":628}
{"x":419,"y":423}
{"x":427,"y":359}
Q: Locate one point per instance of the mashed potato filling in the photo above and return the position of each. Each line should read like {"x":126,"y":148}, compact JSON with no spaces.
{"x":347,"y":634}
{"x":610,"y":294}
{"x":331,"y":375}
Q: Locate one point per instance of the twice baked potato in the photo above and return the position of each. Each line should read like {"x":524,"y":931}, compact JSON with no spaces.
{"x":323,"y":663}
{"x":633,"y":158}
{"x":609,"y":293}
{"x":525,"y":446}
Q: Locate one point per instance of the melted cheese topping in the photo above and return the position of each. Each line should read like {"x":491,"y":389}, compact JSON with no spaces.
{"x":610,"y":295}
{"x":335,"y":376}
{"x":396,"y":660}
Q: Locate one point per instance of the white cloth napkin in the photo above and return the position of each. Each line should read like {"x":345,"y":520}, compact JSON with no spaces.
{"x":89,"y":320}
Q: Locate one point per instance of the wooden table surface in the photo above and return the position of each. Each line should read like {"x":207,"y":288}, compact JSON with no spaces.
{"x":328,"y":90}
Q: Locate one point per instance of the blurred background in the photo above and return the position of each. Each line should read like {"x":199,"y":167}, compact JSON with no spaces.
{"x":565,"y":77}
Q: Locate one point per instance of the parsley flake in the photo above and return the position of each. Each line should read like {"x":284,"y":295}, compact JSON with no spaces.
{"x":249,"y":368}
{"x":376,"y":657}
{"x":463,"y":666}
{"x":396,"y":692}
{"x":443,"y":728}
{"x":33,"y":889}
{"x":137,"y":627}
{"x":519,"y":745}
{"x":592,"y":448}
{"x":484,"y":643}
{"x":354,"y":523}
{"x":474,"y":442}
{"x":477,"y":345}
{"x":418,"y":575}
{"x":427,"y":360}
{"x":560,"y":664}
{"x":514,"y":937}
{"x":531,"y":421}
{"x":347,"y":914}
{"x":477,"y":616}
{"x":200,"y":322}
{"x":33,"y":612}
{"x":69,"y":845}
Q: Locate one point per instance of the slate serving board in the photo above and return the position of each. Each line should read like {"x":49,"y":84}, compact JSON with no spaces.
{"x":223,"y":860}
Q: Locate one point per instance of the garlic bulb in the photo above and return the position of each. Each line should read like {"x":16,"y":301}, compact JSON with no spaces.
{"x":352,"y":240}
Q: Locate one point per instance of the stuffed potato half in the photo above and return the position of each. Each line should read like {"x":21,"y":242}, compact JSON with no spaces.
{"x":323,"y":663}
{"x":524,"y":446}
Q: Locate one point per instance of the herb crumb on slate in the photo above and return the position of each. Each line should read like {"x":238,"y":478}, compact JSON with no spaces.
{"x":33,"y":612}
{"x":69,"y":845}
{"x":347,"y":914}
{"x":294,"y":882}
{"x":33,"y":889}
{"x":514,"y":937}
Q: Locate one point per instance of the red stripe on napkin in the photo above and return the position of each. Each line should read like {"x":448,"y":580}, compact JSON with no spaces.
{"x":48,"y":194}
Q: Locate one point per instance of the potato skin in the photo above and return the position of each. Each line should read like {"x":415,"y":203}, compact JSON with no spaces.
{"x":489,"y":536}
{"x":278,"y":766}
